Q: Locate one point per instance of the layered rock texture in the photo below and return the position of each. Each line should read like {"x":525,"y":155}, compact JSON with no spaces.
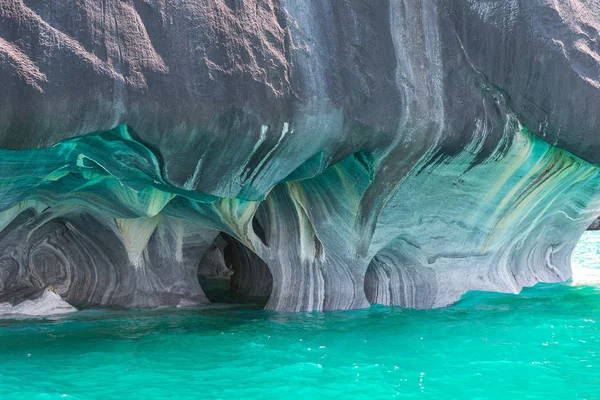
{"x":347,"y":152}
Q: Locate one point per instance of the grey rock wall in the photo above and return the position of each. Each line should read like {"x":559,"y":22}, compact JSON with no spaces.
{"x":132,"y":132}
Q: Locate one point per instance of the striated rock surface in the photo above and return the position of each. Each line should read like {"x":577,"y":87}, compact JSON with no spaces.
{"x":395,"y":152}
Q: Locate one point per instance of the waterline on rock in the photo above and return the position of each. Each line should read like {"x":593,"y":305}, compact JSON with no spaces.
{"x":541,"y":343}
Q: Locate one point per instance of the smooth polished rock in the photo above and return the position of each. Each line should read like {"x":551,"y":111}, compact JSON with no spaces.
{"x":396,"y":152}
{"x":34,"y":302}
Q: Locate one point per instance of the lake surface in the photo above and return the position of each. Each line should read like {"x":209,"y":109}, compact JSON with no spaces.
{"x":543,"y":343}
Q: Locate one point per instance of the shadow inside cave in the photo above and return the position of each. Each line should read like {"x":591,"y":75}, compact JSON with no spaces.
{"x":231,"y":273}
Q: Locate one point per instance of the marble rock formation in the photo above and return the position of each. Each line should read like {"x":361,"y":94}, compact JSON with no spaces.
{"x":32,"y":301}
{"x":213,"y":264}
{"x":350,"y":152}
{"x":595,"y":225}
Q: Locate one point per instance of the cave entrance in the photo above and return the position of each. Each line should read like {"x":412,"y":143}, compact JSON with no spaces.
{"x":229,"y":272}
{"x":585,"y":265}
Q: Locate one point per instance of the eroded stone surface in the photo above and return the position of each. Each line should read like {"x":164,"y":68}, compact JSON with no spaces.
{"x":35,"y":302}
{"x":391,"y":152}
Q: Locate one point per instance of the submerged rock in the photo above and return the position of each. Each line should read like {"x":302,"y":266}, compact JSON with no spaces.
{"x":399,"y":153}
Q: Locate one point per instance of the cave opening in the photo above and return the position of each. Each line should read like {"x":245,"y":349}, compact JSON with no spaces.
{"x":397,"y":276}
{"x":229,"y":272}
{"x":584,"y":263}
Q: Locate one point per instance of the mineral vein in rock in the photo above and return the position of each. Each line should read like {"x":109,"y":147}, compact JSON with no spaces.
{"x":350,"y":153}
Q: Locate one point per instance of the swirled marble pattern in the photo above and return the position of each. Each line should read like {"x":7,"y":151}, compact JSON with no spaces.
{"x":353,"y":152}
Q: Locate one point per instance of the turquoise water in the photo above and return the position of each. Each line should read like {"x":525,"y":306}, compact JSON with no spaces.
{"x":543,"y":343}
